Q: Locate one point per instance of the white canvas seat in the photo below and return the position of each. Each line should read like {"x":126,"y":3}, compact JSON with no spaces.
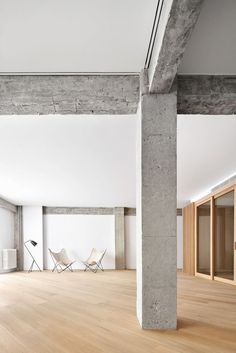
{"x":94,"y":261}
{"x":61,"y":261}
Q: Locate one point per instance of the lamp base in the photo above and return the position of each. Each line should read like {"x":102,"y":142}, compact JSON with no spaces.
{"x":32,"y":265}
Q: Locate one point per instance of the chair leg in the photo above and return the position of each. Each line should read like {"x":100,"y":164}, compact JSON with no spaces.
{"x":64,"y":269}
{"x":56,"y":268}
{"x":100,"y":266}
{"x":88,"y":267}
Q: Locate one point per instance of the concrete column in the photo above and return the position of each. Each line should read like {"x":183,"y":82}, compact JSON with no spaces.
{"x":156,"y":211}
{"x":18,"y":238}
{"x":119,"y":237}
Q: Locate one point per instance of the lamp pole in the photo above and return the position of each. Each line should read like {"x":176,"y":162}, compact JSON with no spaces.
{"x":34,"y":261}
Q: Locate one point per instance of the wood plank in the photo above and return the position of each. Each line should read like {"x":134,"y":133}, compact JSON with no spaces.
{"x":68,"y":94}
{"x":176,"y":23}
{"x":235,"y":234}
{"x":85,"y":312}
{"x":189,"y":239}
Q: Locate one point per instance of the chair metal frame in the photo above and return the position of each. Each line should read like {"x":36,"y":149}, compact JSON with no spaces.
{"x":94,"y":267}
{"x":60,"y":264}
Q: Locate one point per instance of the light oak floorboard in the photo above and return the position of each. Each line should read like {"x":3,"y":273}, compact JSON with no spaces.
{"x":95,"y":313}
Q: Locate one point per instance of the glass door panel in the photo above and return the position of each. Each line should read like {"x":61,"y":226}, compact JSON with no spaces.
{"x":224,"y":236}
{"x":204,"y":238}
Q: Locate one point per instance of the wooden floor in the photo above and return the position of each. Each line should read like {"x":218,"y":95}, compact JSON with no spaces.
{"x":92,"y":313}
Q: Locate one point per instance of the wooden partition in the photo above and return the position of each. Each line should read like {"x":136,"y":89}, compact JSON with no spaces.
{"x":209,"y":236}
{"x":189,"y":239}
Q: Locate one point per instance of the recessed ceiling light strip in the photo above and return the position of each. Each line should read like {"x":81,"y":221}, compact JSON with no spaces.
{"x":154,"y":32}
{"x":69,"y":73}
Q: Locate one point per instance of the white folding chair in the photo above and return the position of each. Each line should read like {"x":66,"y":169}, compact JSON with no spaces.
{"x":94,"y":262}
{"x":61,"y":260}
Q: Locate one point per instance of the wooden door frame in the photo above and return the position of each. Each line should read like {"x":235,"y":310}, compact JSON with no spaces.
{"x":196,"y":205}
{"x":211,"y":197}
{"x":215,"y":196}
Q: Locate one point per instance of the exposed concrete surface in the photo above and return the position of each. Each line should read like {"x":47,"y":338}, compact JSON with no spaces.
{"x":19,"y":242}
{"x":78,"y":210}
{"x":156,"y":212}
{"x":87,"y":210}
{"x":178,"y":26}
{"x":197,"y":94}
{"x":179,"y":211}
{"x":119,"y":238}
{"x":206,"y":94}
{"x":7,"y":205}
{"x":69,"y":94}
{"x":130,"y":211}
{"x":18,"y":230}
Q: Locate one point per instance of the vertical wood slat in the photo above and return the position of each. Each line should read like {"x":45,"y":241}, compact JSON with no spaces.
{"x":235,"y":235}
{"x":189,"y":239}
{"x":212,"y":242}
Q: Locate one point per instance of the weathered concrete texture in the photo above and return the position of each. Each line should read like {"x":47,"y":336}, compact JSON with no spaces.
{"x":130,"y":211}
{"x":119,"y":238}
{"x":70,"y":94}
{"x":181,"y":21}
{"x":87,"y":210}
{"x":7,"y":205}
{"x":179,"y":211}
{"x":79,"y":210}
{"x":157,"y":209}
{"x":19,"y":242}
{"x":206,"y":94}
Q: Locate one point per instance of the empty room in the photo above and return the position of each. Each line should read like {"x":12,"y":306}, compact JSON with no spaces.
{"x":117,"y":176}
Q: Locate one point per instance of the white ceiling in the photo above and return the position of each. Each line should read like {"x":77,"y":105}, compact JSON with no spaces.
{"x":211,"y":48}
{"x":90,"y":160}
{"x":68,"y":161}
{"x":205,"y":152}
{"x":75,"y":35}
{"x":106,"y":36}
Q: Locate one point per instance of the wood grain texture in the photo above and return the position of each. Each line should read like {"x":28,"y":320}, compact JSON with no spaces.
{"x":86,"y":313}
{"x":189,"y":239}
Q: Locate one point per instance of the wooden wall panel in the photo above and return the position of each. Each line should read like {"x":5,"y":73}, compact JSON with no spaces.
{"x":188,"y":239}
